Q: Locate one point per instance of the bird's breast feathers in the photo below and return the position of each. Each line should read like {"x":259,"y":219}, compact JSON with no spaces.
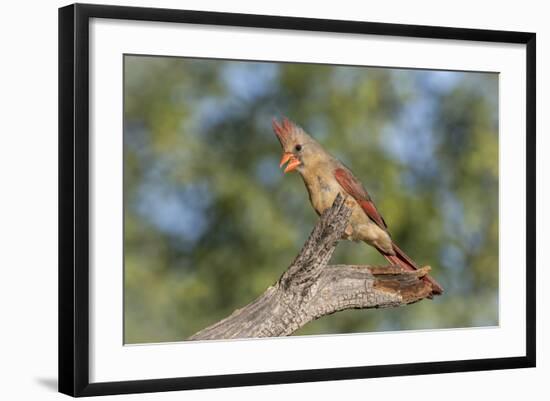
{"x":323,"y":189}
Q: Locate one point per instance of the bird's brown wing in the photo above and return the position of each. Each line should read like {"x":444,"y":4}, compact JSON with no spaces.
{"x":353,"y":187}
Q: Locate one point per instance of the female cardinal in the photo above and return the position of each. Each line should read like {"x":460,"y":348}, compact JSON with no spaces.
{"x":325,"y":177}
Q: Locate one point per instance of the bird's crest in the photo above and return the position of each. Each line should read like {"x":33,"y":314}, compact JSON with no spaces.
{"x":285,"y":130}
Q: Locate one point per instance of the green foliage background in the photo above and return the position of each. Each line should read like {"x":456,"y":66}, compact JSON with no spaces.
{"x":210,"y":220}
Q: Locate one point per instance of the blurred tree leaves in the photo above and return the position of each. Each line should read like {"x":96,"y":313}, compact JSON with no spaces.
{"x":210,"y":221}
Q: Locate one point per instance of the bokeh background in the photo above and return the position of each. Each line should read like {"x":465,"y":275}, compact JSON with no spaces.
{"x":210,"y":221}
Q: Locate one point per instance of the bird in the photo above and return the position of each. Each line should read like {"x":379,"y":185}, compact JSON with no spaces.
{"x":325,"y":177}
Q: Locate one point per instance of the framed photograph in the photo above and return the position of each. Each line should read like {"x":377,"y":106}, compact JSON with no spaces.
{"x":252,"y":199}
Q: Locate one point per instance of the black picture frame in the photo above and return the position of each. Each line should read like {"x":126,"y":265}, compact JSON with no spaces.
{"x":74,"y":198}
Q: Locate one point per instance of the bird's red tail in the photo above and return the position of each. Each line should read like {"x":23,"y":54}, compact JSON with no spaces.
{"x":401,"y":259}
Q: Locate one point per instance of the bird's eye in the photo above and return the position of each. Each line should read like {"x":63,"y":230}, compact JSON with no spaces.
{"x":298,"y":147}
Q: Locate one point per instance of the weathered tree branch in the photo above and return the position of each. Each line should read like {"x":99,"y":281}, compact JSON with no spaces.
{"x":309,"y":289}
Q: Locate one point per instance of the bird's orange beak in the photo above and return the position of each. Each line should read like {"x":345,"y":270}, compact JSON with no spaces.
{"x":293,"y":162}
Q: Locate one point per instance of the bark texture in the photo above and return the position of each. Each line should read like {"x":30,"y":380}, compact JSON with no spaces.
{"x":310,"y":289}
